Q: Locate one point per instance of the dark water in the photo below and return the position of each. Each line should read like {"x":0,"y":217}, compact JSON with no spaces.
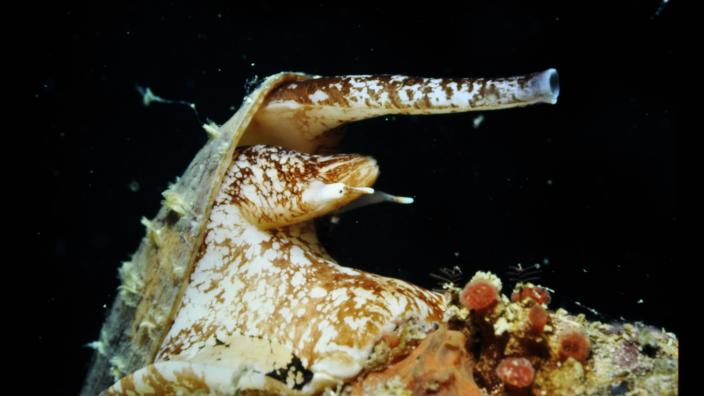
{"x":586,"y":187}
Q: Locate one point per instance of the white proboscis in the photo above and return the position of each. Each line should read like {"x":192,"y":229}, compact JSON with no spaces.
{"x":374,"y":198}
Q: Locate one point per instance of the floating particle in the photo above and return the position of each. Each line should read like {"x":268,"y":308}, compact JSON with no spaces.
{"x":477,"y":121}
{"x":133,"y":186}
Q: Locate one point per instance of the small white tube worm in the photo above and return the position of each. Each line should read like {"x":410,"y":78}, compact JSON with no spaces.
{"x":298,"y":113}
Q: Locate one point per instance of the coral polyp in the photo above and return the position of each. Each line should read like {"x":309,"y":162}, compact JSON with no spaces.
{"x":481,"y":293}
{"x":529,"y":291}
{"x":479,"y":296}
{"x":516,"y":372}
{"x":537,"y":319}
{"x":574,"y":344}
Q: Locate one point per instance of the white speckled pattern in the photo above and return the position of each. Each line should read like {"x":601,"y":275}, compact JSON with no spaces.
{"x":279,"y":284}
{"x":298,"y":114}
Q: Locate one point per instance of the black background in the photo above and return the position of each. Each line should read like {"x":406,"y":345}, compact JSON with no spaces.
{"x":587,"y":187}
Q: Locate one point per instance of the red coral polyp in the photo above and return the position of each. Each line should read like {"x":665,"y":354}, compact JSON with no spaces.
{"x":537,"y":319}
{"x":536,"y":293}
{"x":516,"y":372}
{"x":574,"y":345}
{"x":479,"y":296}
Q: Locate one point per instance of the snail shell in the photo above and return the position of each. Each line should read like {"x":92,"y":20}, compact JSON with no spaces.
{"x":153,"y":339}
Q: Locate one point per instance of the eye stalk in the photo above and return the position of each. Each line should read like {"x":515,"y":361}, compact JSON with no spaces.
{"x":323,"y":198}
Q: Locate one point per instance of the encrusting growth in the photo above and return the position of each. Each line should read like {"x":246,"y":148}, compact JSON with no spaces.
{"x":520,"y":347}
